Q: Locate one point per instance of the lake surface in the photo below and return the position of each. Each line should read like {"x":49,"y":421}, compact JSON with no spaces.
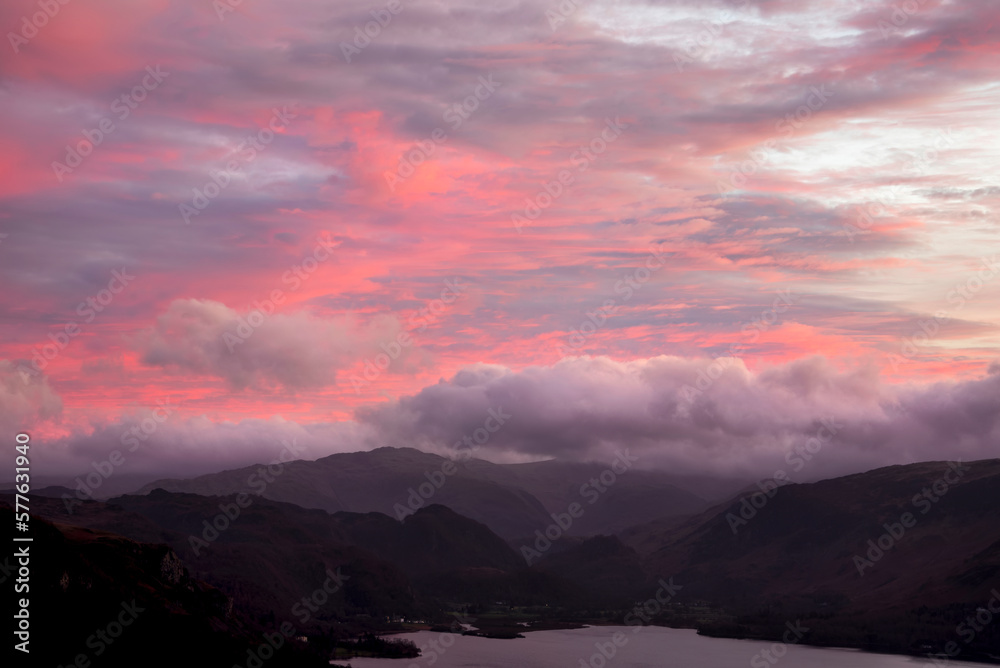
{"x":650,"y":647}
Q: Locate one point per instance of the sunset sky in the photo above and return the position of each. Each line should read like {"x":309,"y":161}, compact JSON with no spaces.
{"x":696,"y":229}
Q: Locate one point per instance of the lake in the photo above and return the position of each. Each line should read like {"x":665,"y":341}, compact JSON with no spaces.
{"x":651,"y":646}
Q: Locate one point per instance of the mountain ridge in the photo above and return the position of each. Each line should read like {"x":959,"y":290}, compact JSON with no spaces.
{"x":514,"y":502}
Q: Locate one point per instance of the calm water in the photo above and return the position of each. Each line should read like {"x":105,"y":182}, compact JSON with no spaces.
{"x":651,"y":647}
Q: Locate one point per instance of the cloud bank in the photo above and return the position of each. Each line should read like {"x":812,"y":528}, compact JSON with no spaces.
{"x":806,"y":417}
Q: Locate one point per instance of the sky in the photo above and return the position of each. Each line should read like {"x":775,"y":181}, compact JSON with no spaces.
{"x":713,"y":232}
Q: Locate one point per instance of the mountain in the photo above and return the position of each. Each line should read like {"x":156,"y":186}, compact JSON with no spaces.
{"x":122,"y":482}
{"x":387,"y":481}
{"x":513,"y":500}
{"x":892,"y":559}
{"x":541,"y":478}
{"x":609,"y":568}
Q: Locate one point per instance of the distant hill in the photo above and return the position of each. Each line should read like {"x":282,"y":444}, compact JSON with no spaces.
{"x":635,"y":496}
{"x":53,"y":491}
{"x":513,"y":500}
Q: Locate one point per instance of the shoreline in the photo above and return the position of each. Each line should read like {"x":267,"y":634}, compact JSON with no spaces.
{"x":572,"y":626}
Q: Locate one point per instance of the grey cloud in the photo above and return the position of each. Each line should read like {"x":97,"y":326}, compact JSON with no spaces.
{"x":673,"y":413}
